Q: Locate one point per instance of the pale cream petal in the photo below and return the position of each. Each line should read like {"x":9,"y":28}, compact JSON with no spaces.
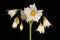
{"x":40,"y":29}
{"x":15,"y":23}
{"x":39,"y":12}
{"x":33,"y":7}
{"x":36,"y":18}
{"x":12,"y":12}
{"x":21,"y":26}
{"x":30,"y":18}
{"x":38,"y":15}
{"x":46,"y":23}
{"x":27,"y":11}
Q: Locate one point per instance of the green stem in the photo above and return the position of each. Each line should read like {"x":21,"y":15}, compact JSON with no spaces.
{"x":30,"y":30}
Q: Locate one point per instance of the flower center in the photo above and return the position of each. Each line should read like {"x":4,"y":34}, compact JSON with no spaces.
{"x":33,"y":13}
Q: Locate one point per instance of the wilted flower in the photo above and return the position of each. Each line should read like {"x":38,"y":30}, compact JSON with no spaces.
{"x":12,"y":12}
{"x":15,"y":23}
{"x":40,"y":28}
{"x":46,"y":23}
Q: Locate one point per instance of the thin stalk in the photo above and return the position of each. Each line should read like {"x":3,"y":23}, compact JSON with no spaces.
{"x":30,"y":30}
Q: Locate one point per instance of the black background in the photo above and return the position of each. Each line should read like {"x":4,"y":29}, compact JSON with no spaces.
{"x":50,"y":11}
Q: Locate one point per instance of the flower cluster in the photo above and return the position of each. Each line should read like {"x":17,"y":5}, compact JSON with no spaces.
{"x":30,"y":14}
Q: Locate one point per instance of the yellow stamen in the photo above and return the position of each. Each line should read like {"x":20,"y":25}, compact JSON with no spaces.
{"x":33,"y":13}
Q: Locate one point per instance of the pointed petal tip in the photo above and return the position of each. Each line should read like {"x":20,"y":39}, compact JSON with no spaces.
{"x":14,"y":25}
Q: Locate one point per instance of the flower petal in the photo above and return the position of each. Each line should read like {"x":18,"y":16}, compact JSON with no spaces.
{"x":36,"y":18}
{"x":33,"y":7}
{"x":40,"y":28}
{"x":39,"y":12}
{"x":30,"y":18}
{"x":27,"y":11}
{"x":38,"y":15}
{"x":46,"y":23}
{"x":15,"y":23}
{"x":12,"y":12}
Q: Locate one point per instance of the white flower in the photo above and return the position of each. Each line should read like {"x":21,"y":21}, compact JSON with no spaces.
{"x":12,"y":12}
{"x":15,"y":23}
{"x":21,"y":26}
{"x":32,"y":13}
{"x":46,"y":23}
{"x":40,"y":28}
